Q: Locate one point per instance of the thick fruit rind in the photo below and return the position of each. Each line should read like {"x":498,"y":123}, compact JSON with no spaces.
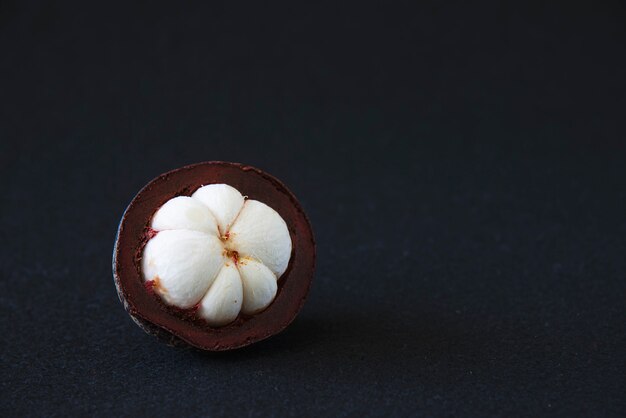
{"x":157,"y":319}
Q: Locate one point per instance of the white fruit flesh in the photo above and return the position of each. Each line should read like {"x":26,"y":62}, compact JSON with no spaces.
{"x":183,"y":263}
{"x":223,"y":201}
{"x":184,"y":213}
{"x":262,"y":235}
{"x":219,"y":251}
{"x":259,"y":286}
{"x":222,"y":303}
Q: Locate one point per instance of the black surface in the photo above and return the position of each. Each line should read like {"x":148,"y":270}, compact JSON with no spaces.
{"x":462,"y":165}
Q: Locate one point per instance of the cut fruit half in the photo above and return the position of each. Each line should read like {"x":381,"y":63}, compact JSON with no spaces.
{"x":217,"y":255}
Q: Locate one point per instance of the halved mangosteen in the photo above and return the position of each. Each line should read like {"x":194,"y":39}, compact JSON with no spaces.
{"x":215,"y":255}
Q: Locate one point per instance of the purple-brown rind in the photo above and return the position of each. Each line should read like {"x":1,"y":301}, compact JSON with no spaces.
{"x":151,"y":314}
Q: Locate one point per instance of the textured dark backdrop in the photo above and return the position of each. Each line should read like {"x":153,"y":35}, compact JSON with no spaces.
{"x":462,"y":165}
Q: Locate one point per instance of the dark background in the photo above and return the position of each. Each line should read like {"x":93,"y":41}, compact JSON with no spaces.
{"x":462,"y":165}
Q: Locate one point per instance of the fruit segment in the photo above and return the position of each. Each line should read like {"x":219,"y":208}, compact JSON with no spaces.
{"x":223,"y":201}
{"x":259,"y":286}
{"x":259,"y":232}
{"x":222,"y":302}
{"x":183,"y":212}
{"x":182,"y":264}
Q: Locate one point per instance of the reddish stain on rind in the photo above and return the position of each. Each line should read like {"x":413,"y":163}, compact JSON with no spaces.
{"x":151,"y":233}
{"x":154,"y":286}
{"x":149,"y":285}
